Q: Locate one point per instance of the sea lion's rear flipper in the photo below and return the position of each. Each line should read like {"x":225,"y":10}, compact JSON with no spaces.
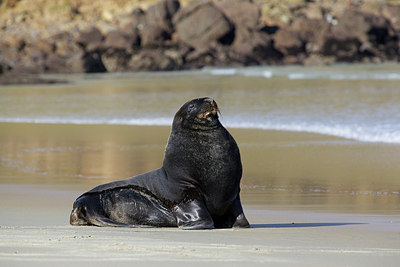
{"x":104,"y":221}
{"x":193,"y":214}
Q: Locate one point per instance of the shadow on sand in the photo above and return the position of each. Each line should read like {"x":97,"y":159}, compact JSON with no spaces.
{"x":300,"y":225}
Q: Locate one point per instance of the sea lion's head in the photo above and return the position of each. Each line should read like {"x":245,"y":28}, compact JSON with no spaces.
{"x":199,"y":113}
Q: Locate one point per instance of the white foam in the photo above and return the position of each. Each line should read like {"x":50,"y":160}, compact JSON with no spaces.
{"x":223,"y":71}
{"x":354,"y":132}
{"x":343,"y":76}
{"x":265,"y":73}
{"x":244,"y":72}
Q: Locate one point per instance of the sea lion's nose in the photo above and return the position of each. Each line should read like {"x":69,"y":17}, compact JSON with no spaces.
{"x":211,"y":101}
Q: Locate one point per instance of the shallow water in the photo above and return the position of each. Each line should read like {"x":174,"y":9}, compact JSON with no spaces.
{"x":311,"y":138}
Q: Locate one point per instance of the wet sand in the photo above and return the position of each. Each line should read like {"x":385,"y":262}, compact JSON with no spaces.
{"x":311,"y":200}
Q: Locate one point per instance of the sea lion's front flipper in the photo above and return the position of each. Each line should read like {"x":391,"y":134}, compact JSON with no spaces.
{"x":237,"y":212}
{"x":233,"y":217}
{"x":193,"y":214}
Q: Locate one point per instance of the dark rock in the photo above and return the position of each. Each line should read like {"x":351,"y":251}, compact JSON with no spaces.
{"x":253,"y":47}
{"x":92,"y":63}
{"x":201,"y":23}
{"x":79,"y":62}
{"x":288,"y":42}
{"x":341,"y":46}
{"x":161,"y":13}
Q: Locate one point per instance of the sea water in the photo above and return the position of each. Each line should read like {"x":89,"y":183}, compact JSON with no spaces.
{"x":360,"y":102}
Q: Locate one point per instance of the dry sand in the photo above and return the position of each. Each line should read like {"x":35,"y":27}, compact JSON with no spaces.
{"x":35,"y":232}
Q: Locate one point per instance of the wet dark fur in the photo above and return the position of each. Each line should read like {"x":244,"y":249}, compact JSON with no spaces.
{"x":197,"y":187}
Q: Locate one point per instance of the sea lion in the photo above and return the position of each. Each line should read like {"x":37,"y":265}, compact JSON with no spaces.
{"x":196,"y":188}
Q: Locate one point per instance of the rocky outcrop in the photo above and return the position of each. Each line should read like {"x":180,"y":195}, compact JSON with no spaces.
{"x":167,"y":36}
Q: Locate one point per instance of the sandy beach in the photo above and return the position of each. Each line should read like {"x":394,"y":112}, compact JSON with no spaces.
{"x":320,"y":156}
{"x":35,"y":231}
{"x":291,"y":225}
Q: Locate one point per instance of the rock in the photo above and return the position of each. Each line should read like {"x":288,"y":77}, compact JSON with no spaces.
{"x":16,"y":42}
{"x":288,"y":42}
{"x":46,"y":46}
{"x":161,"y":13}
{"x":253,"y":47}
{"x":312,"y":32}
{"x":120,"y":40}
{"x":313,"y":11}
{"x":152,"y":60}
{"x":20,"y":78}
{"x":201,"y":23}
{"x":105,"y":27}
{"x":136,"y":20}
{"x":392,"y":14}
{"x":242,"y":13}
{"x":115,"y":60}
{"x":153,"y":35}
{"x":342,"y":46}
{"x":318,"y":60}
{"x":352,"y":25}
{"x":91,"y":38}
{"x":357,"y":35}
{"x":9,"y":57}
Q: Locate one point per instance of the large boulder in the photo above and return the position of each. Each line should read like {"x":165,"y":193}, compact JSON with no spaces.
{"x":201,"y":23}
{"x":242,"y":13}
{"x":161,"y":13}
